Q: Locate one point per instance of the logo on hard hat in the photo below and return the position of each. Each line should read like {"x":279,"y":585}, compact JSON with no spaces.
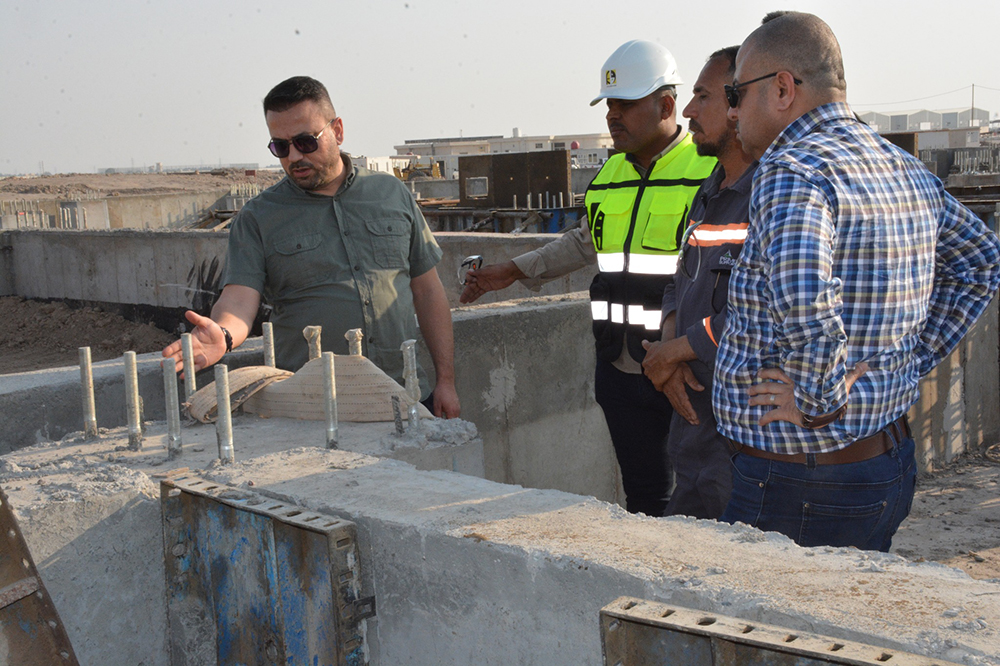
{"x":610,"y":77}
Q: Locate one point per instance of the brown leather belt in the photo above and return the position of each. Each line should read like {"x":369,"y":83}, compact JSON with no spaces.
{"x":863,"y":449}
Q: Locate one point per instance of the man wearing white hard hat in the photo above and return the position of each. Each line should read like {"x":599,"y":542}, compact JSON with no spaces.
{"x":636,"y":207}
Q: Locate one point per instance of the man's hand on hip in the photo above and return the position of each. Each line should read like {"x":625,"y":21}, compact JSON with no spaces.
{"x":778,"y":390}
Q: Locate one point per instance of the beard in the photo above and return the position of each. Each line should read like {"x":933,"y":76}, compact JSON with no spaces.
{"x":715,"y":145}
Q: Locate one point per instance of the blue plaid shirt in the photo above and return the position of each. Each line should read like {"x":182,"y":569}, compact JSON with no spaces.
{"x":855,"y":253}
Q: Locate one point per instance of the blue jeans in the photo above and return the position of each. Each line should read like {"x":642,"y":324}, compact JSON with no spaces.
{"x":857,"y":504}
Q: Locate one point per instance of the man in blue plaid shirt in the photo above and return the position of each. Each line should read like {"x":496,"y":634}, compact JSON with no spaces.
{"x":859,"y":274}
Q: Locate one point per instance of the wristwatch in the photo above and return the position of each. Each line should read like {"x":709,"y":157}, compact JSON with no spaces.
{"x":229,"y":340}
{"x":813,"y":422}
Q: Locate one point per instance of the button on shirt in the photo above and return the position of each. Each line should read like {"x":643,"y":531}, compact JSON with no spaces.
{"x":855,"y":253}
{"x":339,"y":262}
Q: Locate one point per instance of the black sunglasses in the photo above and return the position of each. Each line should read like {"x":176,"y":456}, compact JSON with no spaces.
{"x":304,"y":143}
{"x":733,"y":91}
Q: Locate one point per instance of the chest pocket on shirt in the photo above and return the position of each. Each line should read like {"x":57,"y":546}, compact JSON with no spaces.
{"x":663,"y":228}
{"x":390,"y":239}
{"x":297,"y":262}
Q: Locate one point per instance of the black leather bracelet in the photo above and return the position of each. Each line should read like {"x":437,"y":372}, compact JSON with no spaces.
{"x":229,"y":340}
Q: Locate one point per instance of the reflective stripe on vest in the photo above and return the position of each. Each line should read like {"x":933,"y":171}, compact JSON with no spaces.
{"x":644,"y":264}
{"x":637,"y":315}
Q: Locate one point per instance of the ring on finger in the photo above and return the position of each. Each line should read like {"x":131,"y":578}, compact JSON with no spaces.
{"x":772,"y":398}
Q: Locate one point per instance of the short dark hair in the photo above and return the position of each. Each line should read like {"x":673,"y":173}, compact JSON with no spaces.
{"x":729,"y":53}
{"x":770,"y":16}
{"x":295,"y":90}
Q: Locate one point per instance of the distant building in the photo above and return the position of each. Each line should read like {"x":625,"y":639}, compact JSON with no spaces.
{"x":585,"y":149}
{"x":922,"y":120}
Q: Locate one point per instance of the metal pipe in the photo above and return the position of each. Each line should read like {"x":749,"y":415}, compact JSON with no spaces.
{"x":330,"y":399}
{"x":312,"y":335}
{"x":132,"y":402}
{"x":515,"y":202}
{"x":87,"y":388}
{"x":224,"y":422}
{"x":173,"y":408}
{"x":268,"y":344}
{"x":561,"y":200}
{"x":354,"y":341}
{"x":529,"y":200}
{"x":187,"y":356}
{"x":409,"y":349}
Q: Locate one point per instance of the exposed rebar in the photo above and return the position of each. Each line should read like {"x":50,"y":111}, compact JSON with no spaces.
{"x":354,"y":341}
{"x":173,"y":408}
{"x":187,"y":356}
{"x":312,"y":335}
{"x":330,"y":399}
{"x":268,"y":329}
{"x":409,"y":349}
{"x":132,"y":402}
{"x":87,"y":388}
{"x":224,"y":420}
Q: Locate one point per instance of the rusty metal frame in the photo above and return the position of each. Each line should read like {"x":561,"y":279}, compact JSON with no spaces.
{"x":635,"y":632}
{"x":31,"y":633}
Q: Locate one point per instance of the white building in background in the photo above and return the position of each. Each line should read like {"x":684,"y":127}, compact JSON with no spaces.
{"x":923,"y":120}
{"x":585,"y":149}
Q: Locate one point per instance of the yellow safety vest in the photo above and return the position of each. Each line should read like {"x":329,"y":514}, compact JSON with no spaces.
{"x":636,"y":224}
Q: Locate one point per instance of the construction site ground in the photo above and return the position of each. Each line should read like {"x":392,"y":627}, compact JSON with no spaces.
{"x":75,"y":185}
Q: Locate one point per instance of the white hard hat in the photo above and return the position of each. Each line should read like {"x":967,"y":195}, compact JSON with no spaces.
{"x":635,"y":70}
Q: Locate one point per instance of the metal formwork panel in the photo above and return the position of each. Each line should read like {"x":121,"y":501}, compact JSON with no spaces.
{"x":30,"y":631}
{"x":256,"y":581}
{"x":645,"y":633}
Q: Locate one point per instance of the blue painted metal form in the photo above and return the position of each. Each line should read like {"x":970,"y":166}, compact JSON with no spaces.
{"x":256,"y":581}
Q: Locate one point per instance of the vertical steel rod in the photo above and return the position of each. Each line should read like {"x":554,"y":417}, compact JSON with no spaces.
{"x":173,"y":408}
{"x":187,"y":356}
{"x":330,"y":399}
{"x":132,"y":402}
{"x":268,"y":344}
{"x":409,"y":349}
{"x":354,"y":341}
{"x":87,"y":388}
{"x":312,"y":335}
{"x":224,"y":422}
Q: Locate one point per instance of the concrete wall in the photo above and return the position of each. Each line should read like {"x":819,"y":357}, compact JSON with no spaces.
{"x":162,"y":211}
{"x":957,"y":409}
{"x":435,"y":189}
{"x":536,"y":433}
{"x":180,"y":269}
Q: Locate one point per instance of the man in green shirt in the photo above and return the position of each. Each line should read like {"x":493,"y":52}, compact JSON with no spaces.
{"x":332,"y":245}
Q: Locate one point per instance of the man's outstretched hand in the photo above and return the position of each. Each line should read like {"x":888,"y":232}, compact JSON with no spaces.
{"x":489,"y":278}
{"x":207,"y":342}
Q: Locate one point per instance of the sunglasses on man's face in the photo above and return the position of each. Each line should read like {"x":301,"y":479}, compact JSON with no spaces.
{"x":733,"y":91}
{"x":304,"y":143}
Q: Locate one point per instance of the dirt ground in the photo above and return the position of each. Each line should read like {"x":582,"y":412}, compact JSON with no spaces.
{"x":955,"y":517}
{"x":62,"y":186}
{"x":36,"y":335}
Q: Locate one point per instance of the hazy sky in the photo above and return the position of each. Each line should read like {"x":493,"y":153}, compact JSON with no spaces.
{"x":111,"y":83}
